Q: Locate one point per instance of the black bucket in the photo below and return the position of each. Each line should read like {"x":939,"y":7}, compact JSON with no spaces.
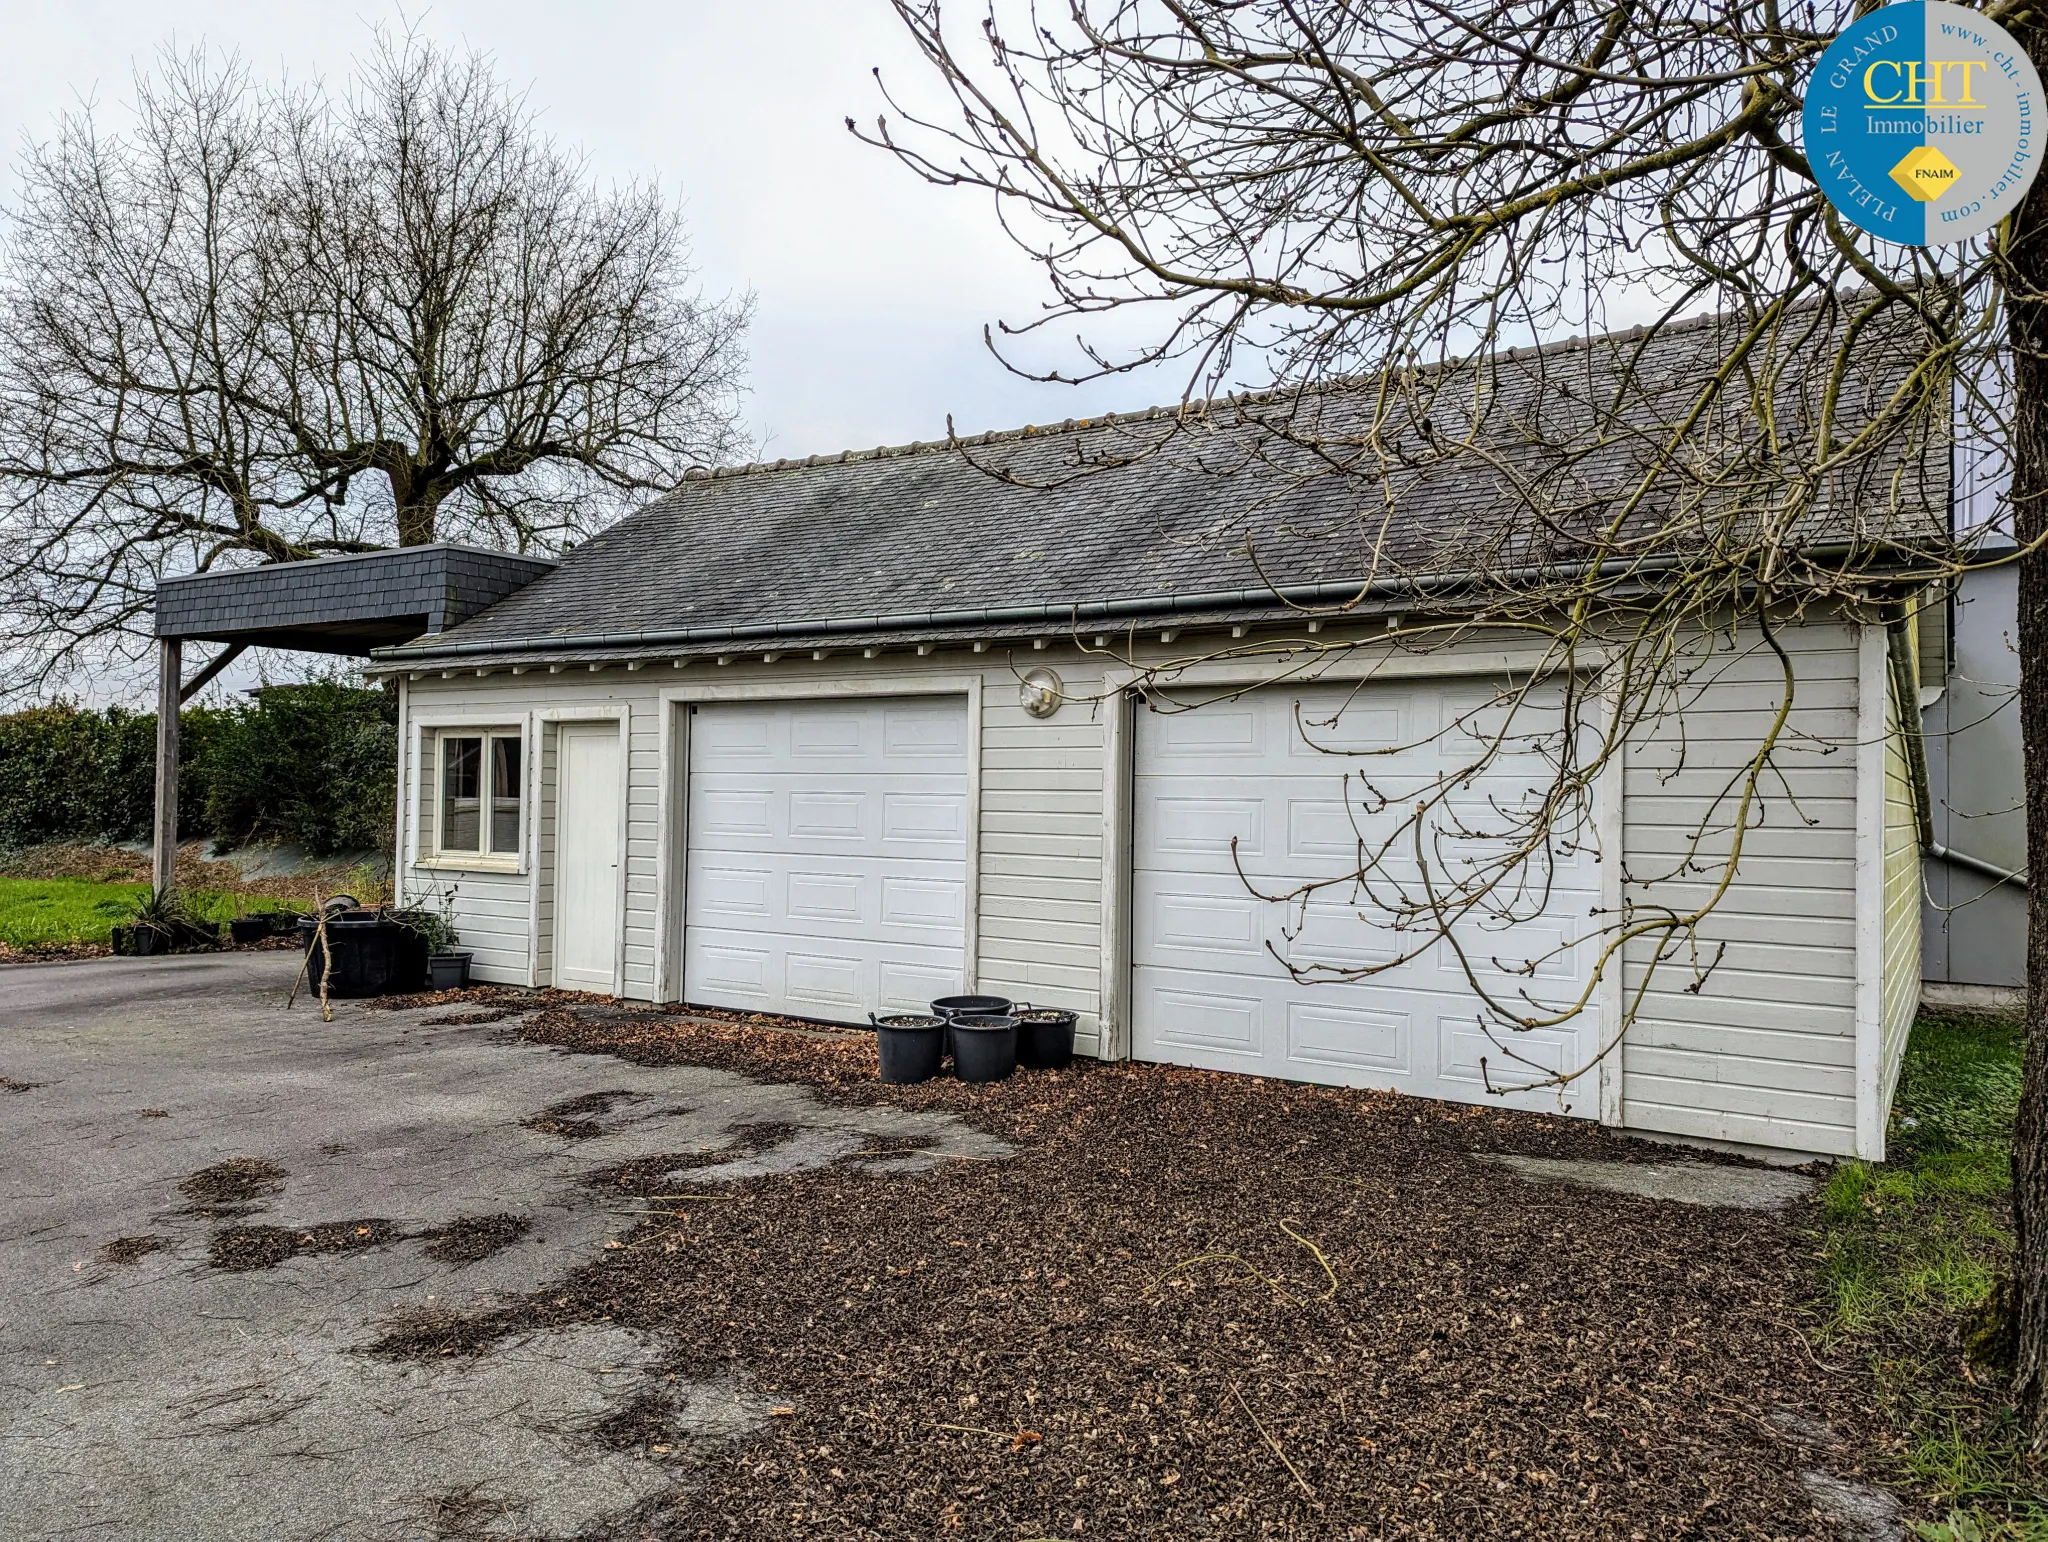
{"x":911,"y":1047}
{"x":368,"y":955}
{"x":981,"y":1006}
{"x":1045,"y":1038}
{"x":984,"y":1046}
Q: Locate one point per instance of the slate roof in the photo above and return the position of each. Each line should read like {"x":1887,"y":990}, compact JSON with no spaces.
{"x":1096,"y":523}
{"x":343,"y":604}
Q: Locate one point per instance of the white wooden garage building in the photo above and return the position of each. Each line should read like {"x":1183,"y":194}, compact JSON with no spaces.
{"x":764,"y":745}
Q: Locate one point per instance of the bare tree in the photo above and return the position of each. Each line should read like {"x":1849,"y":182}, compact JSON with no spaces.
{"x":1365,"y":211}
{"x":269,"y":322}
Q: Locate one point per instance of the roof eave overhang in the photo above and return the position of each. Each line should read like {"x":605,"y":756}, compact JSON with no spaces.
{"x":1328,"y":602}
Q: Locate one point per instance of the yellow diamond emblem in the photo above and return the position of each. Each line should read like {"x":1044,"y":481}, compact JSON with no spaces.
{"x":1925,"y":173}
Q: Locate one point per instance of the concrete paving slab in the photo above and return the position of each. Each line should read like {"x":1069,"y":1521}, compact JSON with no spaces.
{"x":167,"y":1397}
{"x":1684,"y":1183}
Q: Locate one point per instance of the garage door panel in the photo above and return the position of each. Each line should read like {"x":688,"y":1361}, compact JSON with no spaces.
{"x":1202,"y":921}
{"x":815,"y":896}
{"x":718,"y":812}
{"x":923,"y":904}
{"x":826,"y":868}
{"x":1211,"y":982}
{"x":930,"y":733}
{"x":1513,"y":1060}
{"x":1354,"y":1038}
{"x":1213,"y":1018}
{"x":925,"y":819}
{"x":828,"y":737}
{"x":827,"y":897}
{"x":1320,"y":734}
{"x":828,"y":816}
{"x":1205,"y":734}
{"x":730,"y":891}
{"x":811,"y":976}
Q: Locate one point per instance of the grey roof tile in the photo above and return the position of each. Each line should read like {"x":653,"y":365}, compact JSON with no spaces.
{"x":1151,"y":508}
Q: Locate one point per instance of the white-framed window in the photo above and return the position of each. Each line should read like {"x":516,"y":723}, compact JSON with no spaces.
{"x":480,"y":784}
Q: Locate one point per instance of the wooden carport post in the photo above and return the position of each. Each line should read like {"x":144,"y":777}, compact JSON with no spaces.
{"x":169,"y":695}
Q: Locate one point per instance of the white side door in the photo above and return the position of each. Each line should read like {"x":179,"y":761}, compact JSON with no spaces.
{"x":588,"y":868}
{"x":827,"y":867}
{"x":1239,"y":802}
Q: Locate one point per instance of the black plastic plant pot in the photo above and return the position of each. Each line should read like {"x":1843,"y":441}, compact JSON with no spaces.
{"x":984,"y":1046}
{"x":141,"y":941}
{"x":911,"y":1047}
{"x":985,"y":1006}
{"x":447,"y":971}
{"x":248,"y":929}
{"x":367,"y":955}
{"x":1045,"y":1038}
{"x":283,"y":922}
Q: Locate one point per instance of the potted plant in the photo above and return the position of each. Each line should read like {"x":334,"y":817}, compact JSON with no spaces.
{"x":161,"y":923}
{"x":359,"y":951}
{"x":248,"y":926}
{"x":434,"y":922}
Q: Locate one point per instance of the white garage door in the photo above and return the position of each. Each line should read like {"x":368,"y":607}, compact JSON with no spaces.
{"x":827,"y":873}
{"x":1208,"y":988}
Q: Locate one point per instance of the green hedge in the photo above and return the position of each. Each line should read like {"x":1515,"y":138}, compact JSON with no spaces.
{"x":312,"y":765}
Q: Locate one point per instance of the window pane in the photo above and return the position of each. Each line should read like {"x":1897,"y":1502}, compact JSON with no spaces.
{"x":505,"y":765}
{"x":462,"y":764}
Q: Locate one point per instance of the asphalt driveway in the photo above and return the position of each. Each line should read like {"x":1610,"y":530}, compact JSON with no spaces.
{"x":214,"y":1207}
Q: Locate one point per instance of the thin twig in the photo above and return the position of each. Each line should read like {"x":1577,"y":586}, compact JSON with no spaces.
{"x":1270,"y":1441}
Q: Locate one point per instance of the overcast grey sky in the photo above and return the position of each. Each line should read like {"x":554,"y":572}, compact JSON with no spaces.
{"x":872,"y":287}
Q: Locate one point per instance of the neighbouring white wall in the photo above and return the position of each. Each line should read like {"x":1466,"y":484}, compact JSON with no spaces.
{"x":1763,"y":1052}
{"x":1974,"y":928}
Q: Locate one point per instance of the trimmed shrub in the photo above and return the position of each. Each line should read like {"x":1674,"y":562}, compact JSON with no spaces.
{"x":313,"y":765}
{"x":309,"y":764}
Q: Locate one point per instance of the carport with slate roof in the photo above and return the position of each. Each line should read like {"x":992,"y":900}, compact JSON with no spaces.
{"x":343,"y":605}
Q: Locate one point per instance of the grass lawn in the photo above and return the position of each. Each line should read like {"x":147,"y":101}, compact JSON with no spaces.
{"x":46,"y":915}
{"x":1909,"y":1256}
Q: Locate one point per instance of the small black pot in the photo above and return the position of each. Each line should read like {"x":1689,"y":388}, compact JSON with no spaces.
{"x":911,"y":1047}
{"x":195,"y":934}
{"x":248,"y":929}
{"x":141,"y":941}
{"x":447,"y":971}
{"x":984,"y":1046}
{"x":283,"y":923}
{"x":1045,"y":1038}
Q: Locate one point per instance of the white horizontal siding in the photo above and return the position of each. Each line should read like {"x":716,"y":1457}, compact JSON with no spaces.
{"x":1901,"y":902}
{"x":1763,"y":1051}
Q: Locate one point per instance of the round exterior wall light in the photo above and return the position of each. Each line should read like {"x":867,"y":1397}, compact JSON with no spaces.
{"x":1042,"y":693}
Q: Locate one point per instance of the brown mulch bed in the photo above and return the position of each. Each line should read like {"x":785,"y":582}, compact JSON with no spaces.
{"x":470,"y":1239}
{"x":131,"y":1250}
{"x":232,"y":1187}
{"x":1201,"y":1306}
{"x":265,"y":1247}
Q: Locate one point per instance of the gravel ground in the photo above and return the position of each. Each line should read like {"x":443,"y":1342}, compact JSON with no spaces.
{"x":1196,"y":1306}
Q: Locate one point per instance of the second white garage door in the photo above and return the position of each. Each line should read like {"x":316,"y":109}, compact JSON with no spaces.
{"x":1209,"y":986}
{"x":827,"y":868}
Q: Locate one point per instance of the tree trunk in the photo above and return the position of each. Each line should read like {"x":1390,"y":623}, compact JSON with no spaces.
{"x":2026,"y":287}
{"x":416,"y":523}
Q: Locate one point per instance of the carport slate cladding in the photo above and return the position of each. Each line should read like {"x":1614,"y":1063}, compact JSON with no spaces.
{"x":445,"y":584}
{"x":1764,"y":1055}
